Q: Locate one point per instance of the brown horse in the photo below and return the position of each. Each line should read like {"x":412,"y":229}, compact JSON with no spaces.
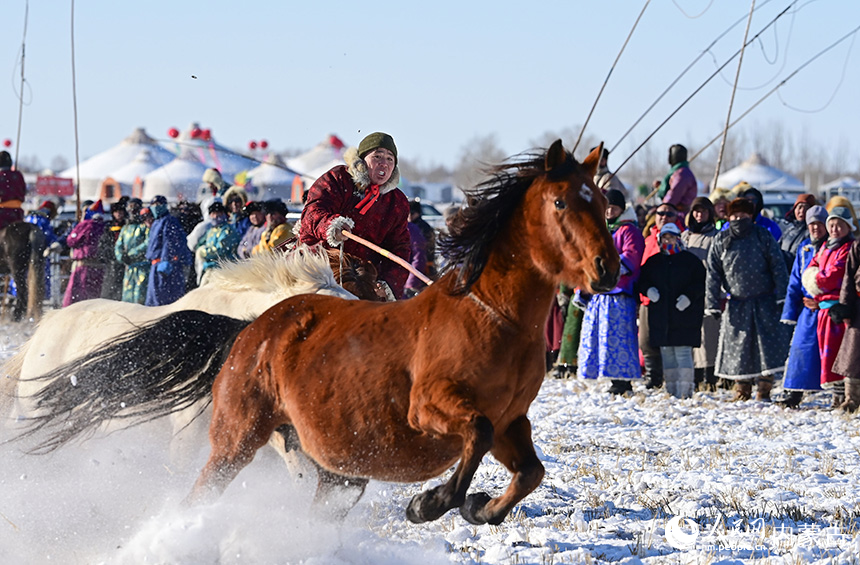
{"x":392,"y":391}
{"x":401,"y":391}
{"x":22,"y":247}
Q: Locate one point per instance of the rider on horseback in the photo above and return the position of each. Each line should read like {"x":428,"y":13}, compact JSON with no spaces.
{"x":362,"y":197}
{"x":13,"y":190}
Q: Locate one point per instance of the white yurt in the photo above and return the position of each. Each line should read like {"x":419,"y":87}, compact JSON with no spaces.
{"x":211,"y":153}
{"x":97,"y":168}
{"x":272,"y":179}
{"x":141,"y":166}
{"x":316,"y":162}
{"x":849,"y":187}
{"x":178,"y":180}
{"x":758,"y":173}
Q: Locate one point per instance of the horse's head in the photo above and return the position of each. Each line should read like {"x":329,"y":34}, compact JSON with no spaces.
{"x":565,"y":218}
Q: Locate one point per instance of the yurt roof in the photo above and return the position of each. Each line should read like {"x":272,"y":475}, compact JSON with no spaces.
{"x":758,"y":173}
{"x":178,"y":180}
{"x":214,"y":155}
{"x":272,"y":179}
{"x":98,"y":167}
{"x":316,"y":162}
{"x":141,"y":166}
{"x":841,"y":182}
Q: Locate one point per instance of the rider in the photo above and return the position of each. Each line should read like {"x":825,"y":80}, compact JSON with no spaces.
{"x":13,"y":190}
{"x":362,"y":197}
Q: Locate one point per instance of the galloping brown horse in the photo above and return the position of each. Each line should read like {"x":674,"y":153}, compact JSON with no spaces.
{"x":401,"y":391}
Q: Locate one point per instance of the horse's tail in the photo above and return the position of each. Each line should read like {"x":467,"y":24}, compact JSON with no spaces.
{"x":10,"y":372}
{"x":163,"y":367}
{"x":36,"y":274}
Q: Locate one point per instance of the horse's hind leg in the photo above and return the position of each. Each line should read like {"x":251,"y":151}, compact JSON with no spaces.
{"x":285,"y":441}
{"x":336,"y":495}
{"x":515,"y":450}
{"x":477,"y":437}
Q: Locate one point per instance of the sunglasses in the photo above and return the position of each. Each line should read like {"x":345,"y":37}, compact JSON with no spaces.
{"x":666,"y":213}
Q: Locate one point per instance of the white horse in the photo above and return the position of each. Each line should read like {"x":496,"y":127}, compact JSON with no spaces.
{"x":242,"y":290}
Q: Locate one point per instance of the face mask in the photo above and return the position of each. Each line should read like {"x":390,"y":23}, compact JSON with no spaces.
{"x":218,"y":220}
{"x":740,"y":227}
{"x":159,"y":210}
{"x":670,"y":248}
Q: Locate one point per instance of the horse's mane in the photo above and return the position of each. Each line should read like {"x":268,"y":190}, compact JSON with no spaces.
{"x":304,"y":270}
{"x":491,"y":203}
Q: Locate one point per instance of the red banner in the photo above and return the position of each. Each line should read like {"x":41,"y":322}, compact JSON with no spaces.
{"x":54,"y":185}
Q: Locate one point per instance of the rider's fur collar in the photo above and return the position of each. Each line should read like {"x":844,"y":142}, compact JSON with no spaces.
{"x":358,"y":171}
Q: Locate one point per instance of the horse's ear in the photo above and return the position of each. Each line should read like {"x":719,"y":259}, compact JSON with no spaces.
{"x":590,"y":163}
{"x":555,"y":156}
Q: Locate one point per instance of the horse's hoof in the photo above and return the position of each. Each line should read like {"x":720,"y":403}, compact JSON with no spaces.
{"x":425,"y":507}
{"x":473,"y":505}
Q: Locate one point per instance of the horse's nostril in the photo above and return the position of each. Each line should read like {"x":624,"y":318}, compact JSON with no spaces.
{"x":601,"y":270}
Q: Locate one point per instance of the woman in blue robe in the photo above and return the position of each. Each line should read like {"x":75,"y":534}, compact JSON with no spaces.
{"x":803,"y":368}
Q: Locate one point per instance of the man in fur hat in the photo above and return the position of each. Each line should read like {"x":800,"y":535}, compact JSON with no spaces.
{"x":362,"y":197}
{"x":746,"y":261}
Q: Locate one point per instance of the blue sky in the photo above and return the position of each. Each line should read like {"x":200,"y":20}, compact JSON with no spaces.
{"x":433,"y":74}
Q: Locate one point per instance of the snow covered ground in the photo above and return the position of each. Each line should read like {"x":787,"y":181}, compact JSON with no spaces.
{"x":648,"y":479}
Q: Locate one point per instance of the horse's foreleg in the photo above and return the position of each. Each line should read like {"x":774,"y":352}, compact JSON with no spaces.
{"x":477,"y":434}
{"x":236,"y":433}
{"x":515,"y":450}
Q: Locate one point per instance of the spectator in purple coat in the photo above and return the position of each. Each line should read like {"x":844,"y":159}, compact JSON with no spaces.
{"x":88,"y":272}
{"x":417,"y":258}
{"x":679,"y":186}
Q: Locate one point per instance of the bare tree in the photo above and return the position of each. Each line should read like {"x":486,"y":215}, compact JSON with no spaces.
{"x":480,"y":153}
{"x":59,"y":163}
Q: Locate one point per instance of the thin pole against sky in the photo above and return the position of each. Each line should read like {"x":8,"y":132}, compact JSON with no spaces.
{"x":21,"y":93}
{"x":75,"y":111}
{"x":609,"y":74}
{"x":732,"y":99}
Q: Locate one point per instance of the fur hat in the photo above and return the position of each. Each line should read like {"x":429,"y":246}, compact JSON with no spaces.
{"x":844,"y":214}
{"x":616,"y":198}
{"x":235,"y":192}
{"x":212,"y":176}
{"x":816,"y":214}
{"x":375,"y":141}
{"x":807,"y":199}
{"x":741,"y":205}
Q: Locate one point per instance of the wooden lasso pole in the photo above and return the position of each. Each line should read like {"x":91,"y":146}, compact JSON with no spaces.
{"x":389,"y":255}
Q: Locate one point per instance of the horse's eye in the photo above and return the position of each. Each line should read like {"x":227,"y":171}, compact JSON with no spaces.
{"x":560,"y":204}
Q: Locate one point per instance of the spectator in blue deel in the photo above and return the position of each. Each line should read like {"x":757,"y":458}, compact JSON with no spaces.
{"x":168,"y":254}
{"x":803,"y":368}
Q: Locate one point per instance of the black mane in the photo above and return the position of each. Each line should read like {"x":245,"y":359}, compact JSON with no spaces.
{"x":490,"y":205}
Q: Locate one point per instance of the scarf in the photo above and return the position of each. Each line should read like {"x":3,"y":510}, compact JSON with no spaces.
{"x":664,"y":184}
{"x":740,"y":228}
{"x":837,"y":243}
{"x":613,"y":224}
{"x":671,"y":249}
{"x":699,"y":227}
{"x":370,"y":196}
